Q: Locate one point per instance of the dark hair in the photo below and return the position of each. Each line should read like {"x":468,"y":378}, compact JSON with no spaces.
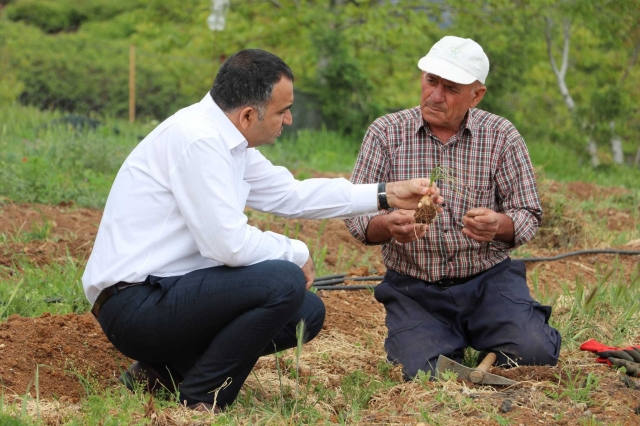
{"x":247,"y":79}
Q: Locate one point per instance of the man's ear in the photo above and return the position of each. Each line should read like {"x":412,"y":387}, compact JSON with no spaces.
{"x":478,"y":95}
{"x":247,"y":116}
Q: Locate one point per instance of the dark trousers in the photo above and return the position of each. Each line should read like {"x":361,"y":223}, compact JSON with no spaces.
{"x":492,"y":312}
{"x":210,"y":326}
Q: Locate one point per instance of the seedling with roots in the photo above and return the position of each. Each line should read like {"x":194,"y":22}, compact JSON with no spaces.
{"x":427,"y":211}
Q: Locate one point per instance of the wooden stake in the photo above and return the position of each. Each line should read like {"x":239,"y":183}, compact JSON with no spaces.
{"x":132,"y":83}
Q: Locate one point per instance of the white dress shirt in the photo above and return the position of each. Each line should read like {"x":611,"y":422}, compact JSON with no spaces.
{"x":177,"y":203}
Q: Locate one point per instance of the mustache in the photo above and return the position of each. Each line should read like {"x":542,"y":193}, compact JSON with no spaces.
{"x":437,"y":107}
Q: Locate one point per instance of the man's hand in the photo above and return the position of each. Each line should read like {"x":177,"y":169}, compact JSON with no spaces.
{"x":402,"y":226}
{"x":399,"y":225}
{"x":628,"y":358}
{"x":406,"y":194}
{"x":485,"y":225}
{"x":309,"y":271}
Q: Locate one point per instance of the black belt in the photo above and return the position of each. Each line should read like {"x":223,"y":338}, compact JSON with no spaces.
{"x":107,"y":293}
{"x":450,"y":282}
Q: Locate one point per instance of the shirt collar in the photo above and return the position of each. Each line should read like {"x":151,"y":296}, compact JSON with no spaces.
{"x":231,"y":135}
{"x":418,"y":122}
{"x":469,"y":122}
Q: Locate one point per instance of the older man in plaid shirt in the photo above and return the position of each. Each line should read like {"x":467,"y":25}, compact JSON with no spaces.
{"x":451,"y":284}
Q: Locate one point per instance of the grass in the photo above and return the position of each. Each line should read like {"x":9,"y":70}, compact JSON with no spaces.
{"x":608,"y":311}
{"x":288,"y":394}
{"x":578,"y":387}
{"x":31,"y":290}
{"x":560,"y":163}
{"x":319,"y":151}
{"x":335,"y":378}
{"x":46,"y":160}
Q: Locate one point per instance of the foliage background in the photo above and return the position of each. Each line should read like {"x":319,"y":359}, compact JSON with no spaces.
{"x":354,"y":59}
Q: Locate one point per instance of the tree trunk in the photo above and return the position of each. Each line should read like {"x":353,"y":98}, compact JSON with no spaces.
{"x":592,"y":148}
{"x":616,"y":145}
{"x":562,"y":72}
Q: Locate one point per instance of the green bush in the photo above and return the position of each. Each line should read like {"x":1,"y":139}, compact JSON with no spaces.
{"x":90,"y":76}
{"x":343,"y":89}
{"x":50,"y":17}
{"x":10,"y":88}
{"x":44,"y":159}
{"x":56,"y":16}
{"x":10,"y":85}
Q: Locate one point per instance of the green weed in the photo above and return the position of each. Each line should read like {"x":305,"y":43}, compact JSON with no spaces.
{"x":45,"y":163}
{"x":577,"y":387}
{"x":607,"y":311}
{"x":471,"y":357}
{"x":357,"y":389}
{"x":54,"y":288}
{"x":40,"y":232}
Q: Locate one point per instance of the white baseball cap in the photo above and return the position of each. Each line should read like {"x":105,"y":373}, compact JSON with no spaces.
{"x":460,"y":60}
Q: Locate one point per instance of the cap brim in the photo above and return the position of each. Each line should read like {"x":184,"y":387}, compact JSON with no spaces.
{"x":445,"y":70}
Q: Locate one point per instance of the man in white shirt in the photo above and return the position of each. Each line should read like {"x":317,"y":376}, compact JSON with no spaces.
{"x":177,"y":278}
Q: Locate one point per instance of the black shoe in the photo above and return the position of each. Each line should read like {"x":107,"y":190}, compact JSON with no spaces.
{"x":148,"y":376}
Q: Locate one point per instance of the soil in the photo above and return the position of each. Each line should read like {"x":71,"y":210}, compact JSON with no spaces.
{"x":426,"y":212}
{"x":66,"y":354}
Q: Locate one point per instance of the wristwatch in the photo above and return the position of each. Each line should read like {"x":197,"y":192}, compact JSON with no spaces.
{"x":382,"y":196}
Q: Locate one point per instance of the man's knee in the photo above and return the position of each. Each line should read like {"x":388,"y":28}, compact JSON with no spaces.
{"x":538,"y":349}
{"x":314,"y":316}
{"x":413,"y":352}
{"x":285,"y":279}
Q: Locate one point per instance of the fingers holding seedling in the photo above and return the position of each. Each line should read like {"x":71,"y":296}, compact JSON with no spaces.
{"x":429,"y":205}
{"x":403,"y":227}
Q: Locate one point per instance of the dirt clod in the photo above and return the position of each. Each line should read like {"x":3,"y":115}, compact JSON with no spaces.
{"x":506,"y":406}
{"x":427,"y":211}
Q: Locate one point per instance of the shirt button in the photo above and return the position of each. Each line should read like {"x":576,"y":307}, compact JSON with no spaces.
{"x":450,"y":259}
{"x":446,"y":230}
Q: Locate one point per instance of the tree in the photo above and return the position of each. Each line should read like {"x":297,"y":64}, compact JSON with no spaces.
{"x":607,"y":102}
{"x":572,"y":65}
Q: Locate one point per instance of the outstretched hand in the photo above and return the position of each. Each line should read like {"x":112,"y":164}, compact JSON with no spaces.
{"x":406,"y":194}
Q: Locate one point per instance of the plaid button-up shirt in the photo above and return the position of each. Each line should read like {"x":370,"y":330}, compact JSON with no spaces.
{"x":492,"y":169}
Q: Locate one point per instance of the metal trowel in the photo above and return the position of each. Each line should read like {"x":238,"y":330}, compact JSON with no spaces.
{"x":476,"y":375}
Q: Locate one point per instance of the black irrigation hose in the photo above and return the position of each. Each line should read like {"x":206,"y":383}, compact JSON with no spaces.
{"x":575,"y":253}
{"x":346,"y":287}
{"x":325,"y":283}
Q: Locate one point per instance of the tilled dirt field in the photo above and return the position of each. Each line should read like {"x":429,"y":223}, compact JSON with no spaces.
{"x":66,"y":351}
